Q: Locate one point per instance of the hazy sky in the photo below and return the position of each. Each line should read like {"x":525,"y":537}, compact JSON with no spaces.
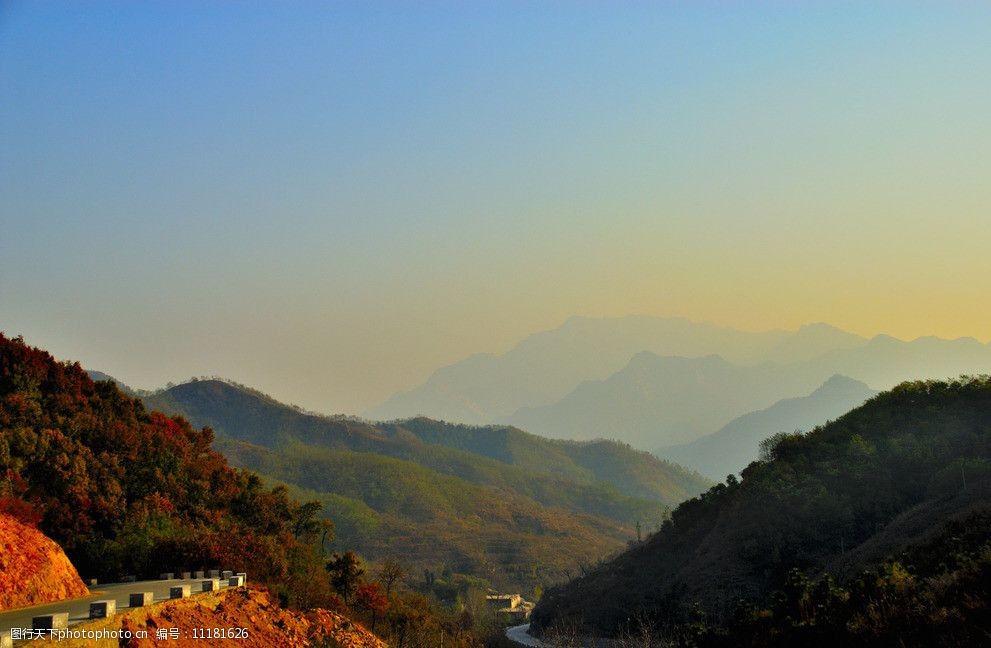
{"x":328,"y":202}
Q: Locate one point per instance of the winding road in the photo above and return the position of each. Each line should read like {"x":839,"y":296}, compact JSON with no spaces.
{"x":519,"y":634}
{"x":78,"y":608}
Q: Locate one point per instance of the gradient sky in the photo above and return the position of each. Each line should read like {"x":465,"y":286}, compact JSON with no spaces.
{"x":328,"y":202}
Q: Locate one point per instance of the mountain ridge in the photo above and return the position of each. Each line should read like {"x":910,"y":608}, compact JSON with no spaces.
{"x":663,"y":398}
{"x":544,"y":366}
{"x":485,"y":500}
{"x":649,"y":403}
{"x":734,"y":446}
{"x":549,"y":367}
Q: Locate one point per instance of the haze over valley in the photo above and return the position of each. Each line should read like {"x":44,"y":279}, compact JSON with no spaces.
{"x":697,"y":394}
{"x":654,"y":382}
{"x":495,"y":325}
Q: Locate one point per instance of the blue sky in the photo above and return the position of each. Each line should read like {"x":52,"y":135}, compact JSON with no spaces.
{"x":329,"y":201}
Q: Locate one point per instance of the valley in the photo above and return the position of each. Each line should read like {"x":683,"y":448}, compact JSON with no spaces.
{"x":486,"y":502}
{"x":495,"y":324}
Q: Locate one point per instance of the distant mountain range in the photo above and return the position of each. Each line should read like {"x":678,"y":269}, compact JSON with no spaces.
{"x":546,"y":366}
{"x":736,"y":444}
{"x":655,"y":382}
{"x":99,"y":375}
{"x":657,"y":400}
{"x":494,"y":501}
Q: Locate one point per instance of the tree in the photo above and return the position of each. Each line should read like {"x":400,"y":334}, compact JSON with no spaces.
{"x":346,"y":574}
{"x":304,"y":519}
{"x":390,"y":573}
{"x":369,"y":597}
{"x":408,"y":614}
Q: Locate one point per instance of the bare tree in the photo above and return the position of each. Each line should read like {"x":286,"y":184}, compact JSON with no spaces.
{"x":640,"y":632}
{"x":390,"y":573}
{"x":565,"y":633}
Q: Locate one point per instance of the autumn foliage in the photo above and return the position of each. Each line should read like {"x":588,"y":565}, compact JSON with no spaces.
{"x":127,"y":491}
{"x":124,"y":490}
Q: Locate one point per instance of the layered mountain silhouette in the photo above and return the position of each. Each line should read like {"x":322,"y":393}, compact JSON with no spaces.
{"x":657,"y":400}
{"x":736,"y":444}
{"x":544,"y":367}
{"x":655,"y":382}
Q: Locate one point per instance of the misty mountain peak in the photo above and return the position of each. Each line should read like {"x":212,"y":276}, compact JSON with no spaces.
{"x":824,"y":329}
{"x":648,"y":360}
{"x":885,"y":340}
{"x":838,"y":383}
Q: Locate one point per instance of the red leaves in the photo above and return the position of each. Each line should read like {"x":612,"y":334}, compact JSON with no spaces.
{"x":20,"y":510}
{"x":91,"y":458}
{"x":371,"y":597}
{"x":159,"y":503}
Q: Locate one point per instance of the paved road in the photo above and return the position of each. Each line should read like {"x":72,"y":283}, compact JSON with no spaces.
{"x":78,"y":609}
{"x":519,"y":635}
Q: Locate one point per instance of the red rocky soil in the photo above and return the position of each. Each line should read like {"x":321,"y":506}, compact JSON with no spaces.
{"x":265,"y":623}
{"x":33,"y":568}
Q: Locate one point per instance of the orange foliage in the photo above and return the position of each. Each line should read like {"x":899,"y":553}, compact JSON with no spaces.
{"x":33,"y":569}
{"x":124,"y":490}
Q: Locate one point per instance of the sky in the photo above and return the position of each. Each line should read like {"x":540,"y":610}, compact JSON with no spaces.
{"x":328,"y":201}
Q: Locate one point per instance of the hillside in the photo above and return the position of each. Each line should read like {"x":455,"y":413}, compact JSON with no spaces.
{"x":387,"y":508}
{"x":33,"y":568}
{"x":488,"y":501}
{"x":99,"y":376}
{"x":498,"y":455}
{"x":127,"y":491}
{"x":735,"y":445}
{"x":546,"y":366}
{"x":633,"y":472}
{"x":893,"y":477}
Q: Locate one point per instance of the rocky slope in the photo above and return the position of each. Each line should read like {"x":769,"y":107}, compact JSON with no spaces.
{"x":265,"y":624}
{"x":33,"y":568}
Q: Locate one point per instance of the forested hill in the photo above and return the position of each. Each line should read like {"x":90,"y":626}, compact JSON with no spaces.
{"x":633,"y":472}
{"x":492,"y":502}
{"x":735,"y":445}
{"x":243,"y":414}
{"x":900,"y":485}
{"x":125,"y":490}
